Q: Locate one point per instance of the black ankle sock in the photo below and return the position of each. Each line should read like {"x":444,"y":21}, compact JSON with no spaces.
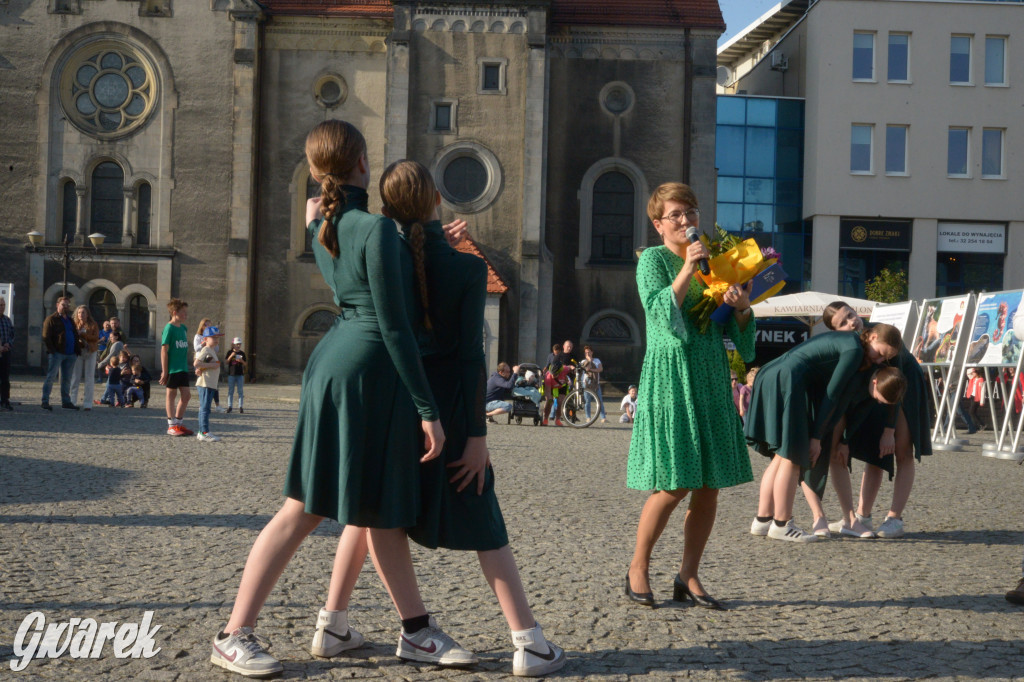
{"x":762,"y":519}
{"x":780,"y":524}
{"x":412,"y":625}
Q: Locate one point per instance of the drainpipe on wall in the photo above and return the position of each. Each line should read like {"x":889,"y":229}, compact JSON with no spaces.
{"x":687,"y":103}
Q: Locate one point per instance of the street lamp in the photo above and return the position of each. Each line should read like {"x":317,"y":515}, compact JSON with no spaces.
{"x":64,"y":256}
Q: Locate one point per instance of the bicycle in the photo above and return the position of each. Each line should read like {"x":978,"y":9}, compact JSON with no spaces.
{"x":573,"y":405}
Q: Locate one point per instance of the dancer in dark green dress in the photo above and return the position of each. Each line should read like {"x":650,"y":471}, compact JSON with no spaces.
{"x":357,"y":448}
{"x":687,"y":438}
{"x":892,"y":437}
{"x":797,"y":400}
{"x":459,"y":509}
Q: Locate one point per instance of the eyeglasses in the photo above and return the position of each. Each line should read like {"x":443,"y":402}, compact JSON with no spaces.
{"x":677,"y":216}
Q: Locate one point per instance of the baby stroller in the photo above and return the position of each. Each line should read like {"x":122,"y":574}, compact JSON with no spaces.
{"x":523,"y":407}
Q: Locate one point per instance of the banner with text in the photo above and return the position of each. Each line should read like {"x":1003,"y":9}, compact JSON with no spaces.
{"x":998,"y":331}
{"x":939,"y":329}
{"x":972,"y":238}
{"x":898,"y":315}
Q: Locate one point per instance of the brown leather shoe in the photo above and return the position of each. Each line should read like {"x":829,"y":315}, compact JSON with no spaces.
{"x":1016,"y":595}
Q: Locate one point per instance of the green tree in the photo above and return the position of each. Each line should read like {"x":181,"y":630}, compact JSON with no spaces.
{"x":890,"y":286}
{"x":736,"y":364}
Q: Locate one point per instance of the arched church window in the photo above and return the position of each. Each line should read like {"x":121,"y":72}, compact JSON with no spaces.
{"x":138,"y":317}
{"x":107,"y":201}
{"x":145,"y":208}
{"x":68,"y":212}
{"x":318,"y":322}
{"x":102,"y":305}
{"x":612,"y":221}
{"x":611,"y":328}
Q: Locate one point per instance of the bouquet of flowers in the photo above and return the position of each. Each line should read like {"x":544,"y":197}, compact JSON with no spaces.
{"x":735,"y":261}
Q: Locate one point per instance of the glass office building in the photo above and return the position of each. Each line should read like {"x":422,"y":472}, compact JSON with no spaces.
{"x":759,"y":154}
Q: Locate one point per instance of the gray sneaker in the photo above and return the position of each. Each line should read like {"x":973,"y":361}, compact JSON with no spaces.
{"x":432,"y":645}
{"x":245,"y":652}
{"x":892,"y":527}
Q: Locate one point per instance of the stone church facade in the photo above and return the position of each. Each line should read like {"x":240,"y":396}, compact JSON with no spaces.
{"x":175,"y":129}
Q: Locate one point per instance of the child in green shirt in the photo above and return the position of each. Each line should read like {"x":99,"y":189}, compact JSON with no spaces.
{"x":174,"y":366}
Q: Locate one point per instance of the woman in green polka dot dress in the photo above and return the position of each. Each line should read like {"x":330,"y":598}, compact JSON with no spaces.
{"x":687,"y":437}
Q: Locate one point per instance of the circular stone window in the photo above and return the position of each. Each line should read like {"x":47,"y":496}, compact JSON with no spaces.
{"x":108,"y":89}
{"x":616,"y":98}
{"x":330,"y":91}
{"x":468,"y":176}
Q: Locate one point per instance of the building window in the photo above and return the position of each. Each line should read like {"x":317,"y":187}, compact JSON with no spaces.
{"x":313,"y":189}
{"x":995,"y":61}
{"x":956,"y":155}
{"x":960,"y":60}
{"x":108,"y":89}
{"x":610,"y":329}
{"x":962,"y":272}
{"x":863,"y":56}
{"x":318,"y":322}
{"x":492,"y":76}
{"x":107,"y":201}
{"x":611,"y":235}
{"x":468,"y":176}
{"x":138,"y":317}
{"x":69,"y":211}
{"x":102,"y":305}
{"x":145,"y":207}
{"x":442,"y":116}
{"x":860,"y":148}
{"x":896,"y":150}
{"x":899,"y":57}
{"x":992,"y":153}
{"x":330,"y":91}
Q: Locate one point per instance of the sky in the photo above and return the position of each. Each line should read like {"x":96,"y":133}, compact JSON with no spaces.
{"x":739,"y":14}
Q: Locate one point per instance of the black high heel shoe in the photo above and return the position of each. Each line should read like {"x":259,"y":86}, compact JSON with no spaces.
{"x":645,"y":598}
{"x":680,"y":592}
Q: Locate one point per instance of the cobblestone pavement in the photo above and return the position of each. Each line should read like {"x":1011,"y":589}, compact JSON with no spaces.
{"x":104,"y":516}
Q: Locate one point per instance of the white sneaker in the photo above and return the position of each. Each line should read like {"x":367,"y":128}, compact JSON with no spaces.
{"x":835,"y":527}
{"x":892,"y":527}
{"x":858,"y":530}
{"x":760,"y":527}
{"x":218,"y":408}
{"x":790,"y":533}
{"x":535,"y":656}
{"x":432,"y":645}
{"x":866,"y":521}
{"x":208,"y":437}
{"x":245,"y":652}
{"x":333,"y":635}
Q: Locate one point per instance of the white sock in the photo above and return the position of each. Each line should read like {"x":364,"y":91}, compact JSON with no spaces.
{"x":532,"y":638}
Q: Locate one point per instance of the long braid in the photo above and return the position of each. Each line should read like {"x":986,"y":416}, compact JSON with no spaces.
{"x":332,"y":200}
{"x":333,"y":149}
{"x":416,"y":239}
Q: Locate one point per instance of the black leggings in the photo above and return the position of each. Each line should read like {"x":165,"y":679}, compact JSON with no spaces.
{"x":5,"y":377}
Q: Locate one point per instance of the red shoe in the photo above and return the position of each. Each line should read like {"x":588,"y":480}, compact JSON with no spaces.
{"x":545,"y":422}
{"x":558,"y":422}
{"x":186,"y":432}
{"x":175,"y":430}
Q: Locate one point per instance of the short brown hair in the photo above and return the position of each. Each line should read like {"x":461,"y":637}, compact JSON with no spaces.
{"x":891,"y":383}
{"x":502,"y":366}
{"x":886,"y":333}
{"x":586,"y":348}
{"x":669,"y":191}
{"x":175,"y":304}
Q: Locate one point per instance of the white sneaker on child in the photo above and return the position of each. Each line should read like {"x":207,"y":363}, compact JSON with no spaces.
{"x":791,"y":533}
{"x":208,"y":437}
{"x":535,"y":655}
{"x":333,"y":635}
{"x":760,"y":527}
{"x":245,"y":652}
{"x":432,"y":645}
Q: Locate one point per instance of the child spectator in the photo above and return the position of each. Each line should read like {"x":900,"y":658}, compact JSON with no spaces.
{"x":124,"y":364}
{"x":236,"y":373}
{"x":174,"y":366}
{"x":141,"y":379}
{"x":114,"y":395}
{"x":197,"y":345}
{"x":207,"y":368}
{"x":628,"y":406}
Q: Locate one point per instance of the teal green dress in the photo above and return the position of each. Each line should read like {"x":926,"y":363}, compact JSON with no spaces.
{"x":687,"y":433}
{"x":358,"y":440}
{"x":801,"y":394}
{"x":455,"y":366}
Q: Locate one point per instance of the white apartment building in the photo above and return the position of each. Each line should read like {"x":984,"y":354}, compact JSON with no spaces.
{"x":913,"y":135}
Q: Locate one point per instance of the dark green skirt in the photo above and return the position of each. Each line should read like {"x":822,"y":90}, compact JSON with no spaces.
{"x":355,"y":458}
{"x":452,"y":519}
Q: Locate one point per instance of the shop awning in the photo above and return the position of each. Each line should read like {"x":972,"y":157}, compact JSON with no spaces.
{"x":807,"y":306}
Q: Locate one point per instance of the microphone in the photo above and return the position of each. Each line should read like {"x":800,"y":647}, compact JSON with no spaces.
{"x":691,"y":234}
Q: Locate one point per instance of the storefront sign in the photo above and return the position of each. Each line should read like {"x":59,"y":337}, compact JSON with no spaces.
{"x":884,"y":235}
{"x":972,"y":238}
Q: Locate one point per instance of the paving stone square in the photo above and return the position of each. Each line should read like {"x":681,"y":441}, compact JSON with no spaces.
{"x":104,"y":516}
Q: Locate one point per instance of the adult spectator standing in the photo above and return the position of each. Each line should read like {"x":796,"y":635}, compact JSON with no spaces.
{"x":593,"y":368}
{"x":499,"y":388}
{"x":63,"y":345}
{"x":115,"y":325}
{"x":6,"y":348}
{"x":85,"y":365}
{"x":236,"y":373}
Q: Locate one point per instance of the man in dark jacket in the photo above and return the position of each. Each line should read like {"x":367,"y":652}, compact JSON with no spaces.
{"x":499,"y":387}
{"x":63,"y":345}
